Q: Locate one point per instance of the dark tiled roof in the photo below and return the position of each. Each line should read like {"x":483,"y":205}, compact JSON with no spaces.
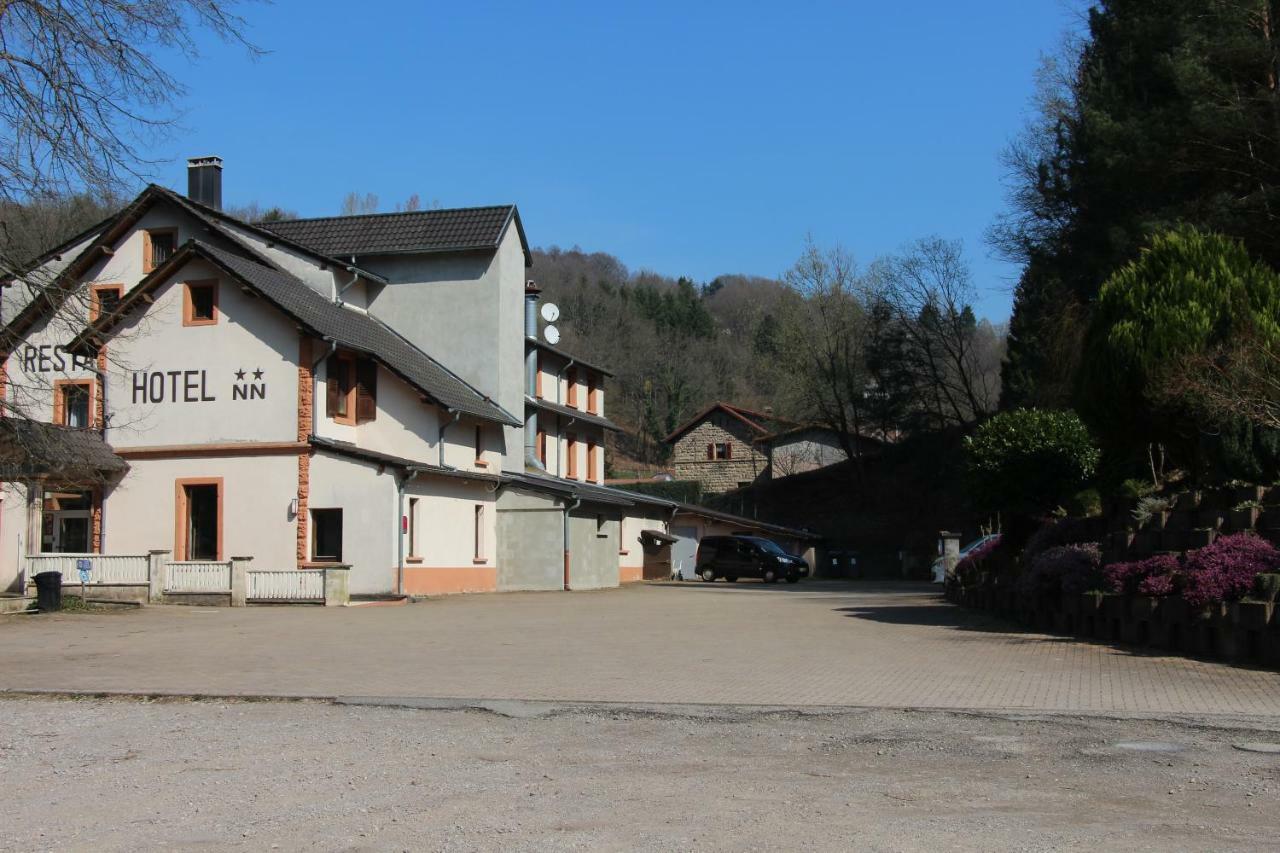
{"x":348,"y":328}
{"x":568,"y":356}
{"x":456,"y":230}
{"x":344,"y":448}
{"x":30,"y":450}
{"x":588,"y":492}
{"x":694,"y":509}
{"x":576,"y":414}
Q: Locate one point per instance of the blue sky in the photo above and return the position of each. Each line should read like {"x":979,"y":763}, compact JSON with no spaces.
{"x":693,"y":138}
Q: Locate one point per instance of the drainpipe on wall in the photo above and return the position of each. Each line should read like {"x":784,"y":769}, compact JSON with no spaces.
{"x":409,"y":473}
{"x":440,"y":436}
{"x":531,"y":460}
{"x":577,"y":502}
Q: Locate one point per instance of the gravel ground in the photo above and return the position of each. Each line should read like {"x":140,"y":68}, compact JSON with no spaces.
{"x":99,"y":774}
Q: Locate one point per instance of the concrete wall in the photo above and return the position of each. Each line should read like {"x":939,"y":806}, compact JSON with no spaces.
{"x":593,"y":543}
{"x":689,"y":455}
{"x":530,"y":542}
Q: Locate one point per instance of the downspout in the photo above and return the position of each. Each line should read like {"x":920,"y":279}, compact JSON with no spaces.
{"x":440,"y":436}
{"x":355,"y":276}
{"x":531,"y":460}
{"x":409,"y":473}
{"x":577,"y":502}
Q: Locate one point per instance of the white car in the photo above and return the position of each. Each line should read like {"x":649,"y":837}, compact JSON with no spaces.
{"x":940,"y":570}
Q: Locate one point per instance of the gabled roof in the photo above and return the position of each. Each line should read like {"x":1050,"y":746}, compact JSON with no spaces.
{"x":459,"y":229}
{"x":545,"y":347}
{"x":574,"y":489}
{"x":345,"y":327}
{"x":761,"y":423}
{"x":716,"y":515}
{"x":575,"y":414}
{"x":803,"y":428}
{"x":52,"y":295}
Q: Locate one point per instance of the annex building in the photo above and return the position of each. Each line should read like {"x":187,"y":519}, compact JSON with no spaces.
{"x":367,"y":392}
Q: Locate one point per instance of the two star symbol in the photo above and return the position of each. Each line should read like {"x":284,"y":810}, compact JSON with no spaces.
{"x":257,"y":375}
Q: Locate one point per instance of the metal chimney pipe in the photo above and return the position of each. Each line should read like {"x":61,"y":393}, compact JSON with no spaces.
{"x":204,"y":181}
{"x":531,"y":295}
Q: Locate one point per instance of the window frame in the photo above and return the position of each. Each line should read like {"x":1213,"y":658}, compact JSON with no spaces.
{"x":182,"y":521}
{"x":478,"y":534}
{"x":593,"y":407}
{"x":728,"y":451}
{"x":315,"y":532}
{"x":60,"y":404}
{"x":481,"y":462}
{"x":571,"y":392}
{"x":148,"y":253}
{"x":571,"y":455}
{"x":412,"y":523}
{"x":95,"y":297}
{"x":353,"y":365}
{"x":593,"y":469}
{"x":188,"y":302}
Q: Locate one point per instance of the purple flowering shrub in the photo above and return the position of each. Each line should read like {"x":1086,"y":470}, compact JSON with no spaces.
{"x":1070,"y":569}
{"x":969,"y":565}
{"x":1225,"y":570}
{"x":1152,"y":576}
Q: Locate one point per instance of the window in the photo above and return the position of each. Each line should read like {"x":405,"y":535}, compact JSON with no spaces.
{"x":66,"y":522}
{"x":412,"y":522}
{"x":572,"y":378}
{"x":326,"y":535}
{"x":571,"y":450}
{"x":723,"y":451}
{"x":351,"y":386}
{"x":72,"y":402}
{"x":592,"y":471}
{"x":537,"y":379}
{"x":542,"y":448}
{"x":480,"y":448}
{"x":479,"y":533}
{"x":104,"y":299}
{"x":158,"y":246}
{"x":200,"y":303}
{"x":199,"y":507}
{"x":593,"y":405}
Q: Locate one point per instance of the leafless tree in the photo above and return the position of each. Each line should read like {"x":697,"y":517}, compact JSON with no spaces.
{"x":828,"y":336}
{"x":1241,"y":379}
{"x":354,"y":204}
{"x":928,"y":287}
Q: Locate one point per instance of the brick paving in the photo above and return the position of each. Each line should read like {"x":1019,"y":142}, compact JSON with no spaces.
{"x":815,"y":644}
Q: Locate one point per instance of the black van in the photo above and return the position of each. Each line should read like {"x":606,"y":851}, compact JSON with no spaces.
{"x":733,"y":557}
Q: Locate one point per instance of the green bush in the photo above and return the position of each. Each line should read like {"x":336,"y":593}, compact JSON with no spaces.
{"x":1185,"y":294}
{"x":681,"y":491}
{"x":1086,"y":503}
{"x":1030,"y":460}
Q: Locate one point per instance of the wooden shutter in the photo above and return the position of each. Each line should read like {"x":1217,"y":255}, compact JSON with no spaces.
{"x":366,"y":390}
{"x":332,"y":370}
{"x":728,"y":450}
{"x":572,"y":380}
{"x":711,"y":452}
{"x":147,"y":266}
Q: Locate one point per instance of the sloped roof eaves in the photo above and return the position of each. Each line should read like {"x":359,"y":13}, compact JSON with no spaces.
{"x":32,"y":450}
{"x":568,"y":488}
{"x":341,"y":448}
{"x":716,"y":515}
{"x":570,"y":357}
{"x":576,"y":414}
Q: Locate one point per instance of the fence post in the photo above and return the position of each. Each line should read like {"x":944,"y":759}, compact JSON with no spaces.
{"x":949,"y":551}
{"x":336,"y":592}
{"x":157,"y":562}
{"x":239,"y":580}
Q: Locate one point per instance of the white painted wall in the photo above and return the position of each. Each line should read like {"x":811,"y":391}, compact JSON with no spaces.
{"x":369,"y":518}
{"x":445,"y":536}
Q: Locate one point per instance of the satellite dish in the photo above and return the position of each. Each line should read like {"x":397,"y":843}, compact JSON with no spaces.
{"x":552,"y":334}
{"x":550,"y":312}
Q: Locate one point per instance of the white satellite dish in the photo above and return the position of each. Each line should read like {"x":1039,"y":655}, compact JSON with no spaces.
{"x":550,"y":312}
{"x":552,"y":334}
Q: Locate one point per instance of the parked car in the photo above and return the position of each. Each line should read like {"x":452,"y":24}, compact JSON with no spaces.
{"x":733,"y":557}
{"x":940,"y":570}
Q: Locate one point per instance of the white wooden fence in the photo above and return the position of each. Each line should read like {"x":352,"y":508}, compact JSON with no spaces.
{"x":286,"y":585}
{"x":198,"y":576}
{"x":103,"y":568}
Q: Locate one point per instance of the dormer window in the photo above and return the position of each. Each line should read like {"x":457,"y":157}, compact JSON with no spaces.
{"x":104,"y":299}
{"x":200,"y":303}
{"x":351,"y":385}
{"x":158,"y":246}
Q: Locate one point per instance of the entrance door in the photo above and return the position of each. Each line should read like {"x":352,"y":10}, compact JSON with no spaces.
{"x":202,"y":507}
{"x":66,"y":522}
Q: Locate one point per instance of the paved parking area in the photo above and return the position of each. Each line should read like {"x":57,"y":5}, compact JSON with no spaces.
{"x":815,"y":644}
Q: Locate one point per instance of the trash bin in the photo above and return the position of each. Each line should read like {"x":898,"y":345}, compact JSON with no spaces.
{"x":48,"y":591}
